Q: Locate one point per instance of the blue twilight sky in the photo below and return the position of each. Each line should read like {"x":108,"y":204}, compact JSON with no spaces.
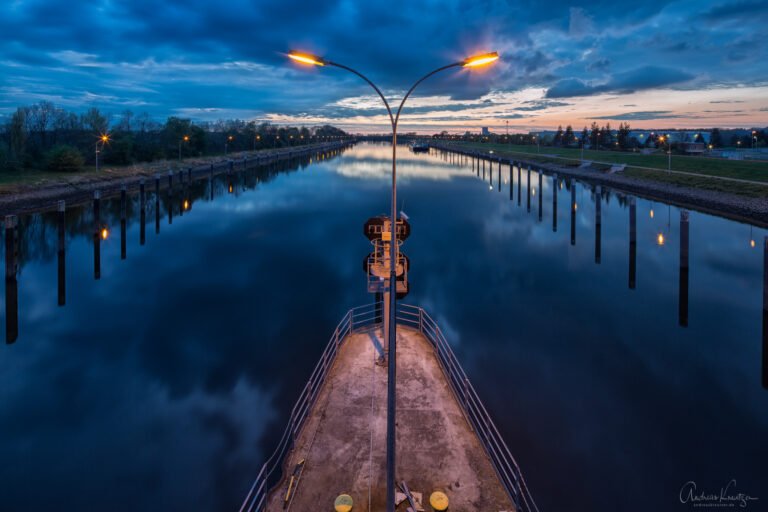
{"x":654,"y":64}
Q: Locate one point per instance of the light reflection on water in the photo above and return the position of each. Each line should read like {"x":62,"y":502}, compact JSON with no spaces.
{"x":169,"y":378}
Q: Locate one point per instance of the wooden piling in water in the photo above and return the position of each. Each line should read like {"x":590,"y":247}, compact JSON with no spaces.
{"x":528,"y":180}
{"x":554,"y":202}
{"x":142,"y":213}
{"x":11,"y":285}
{"x":62,"y":226}
{"x":598,"y":223}
{"x":765,"y":313}
{"x":632,"y":243}
{"x":573,"y":211}
{"x":683,"y":287}
{"x":541,"y":194}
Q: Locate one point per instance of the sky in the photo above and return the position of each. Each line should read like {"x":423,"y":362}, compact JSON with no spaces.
{"x":680,"y":64}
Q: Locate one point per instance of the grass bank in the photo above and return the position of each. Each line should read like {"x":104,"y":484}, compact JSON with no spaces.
{"x":703,"y":172}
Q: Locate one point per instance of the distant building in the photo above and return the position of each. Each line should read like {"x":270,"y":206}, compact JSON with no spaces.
{"x":485,"y":131}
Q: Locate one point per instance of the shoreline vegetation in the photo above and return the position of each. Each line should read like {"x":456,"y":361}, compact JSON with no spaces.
{"x":714,"y":190}
{"x":42,"y":196}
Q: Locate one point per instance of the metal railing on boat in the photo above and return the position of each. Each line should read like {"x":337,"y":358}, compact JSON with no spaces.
{"x":365,"y":317}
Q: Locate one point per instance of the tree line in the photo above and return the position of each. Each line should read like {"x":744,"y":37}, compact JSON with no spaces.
{"x":44,"y":136}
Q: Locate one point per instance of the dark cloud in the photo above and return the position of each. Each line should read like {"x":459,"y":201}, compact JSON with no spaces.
{"x":639,"y":116}
{"x":533,"y":105}
{"x":599,"y":65}
{"x":647,"y":77}
{"x":184,"y":54}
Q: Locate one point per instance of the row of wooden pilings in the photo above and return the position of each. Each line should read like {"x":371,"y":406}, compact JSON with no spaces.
{"x":169,"y":181}
{"x":478,"y":161}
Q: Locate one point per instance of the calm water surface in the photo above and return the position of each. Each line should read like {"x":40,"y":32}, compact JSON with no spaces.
{"x":164,"y":384}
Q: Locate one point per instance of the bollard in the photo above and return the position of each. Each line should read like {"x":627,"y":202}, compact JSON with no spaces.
{"x":142,"y":194}
{"x":62,"y":225}
{"x":555,"y":191}
{"x":632,"y":243}
{"x":189,"y":175}
{"x":683,"y":288}
{"x":11,"y":285}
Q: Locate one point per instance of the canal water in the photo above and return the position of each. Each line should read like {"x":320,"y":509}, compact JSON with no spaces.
{"x":162,"y":379}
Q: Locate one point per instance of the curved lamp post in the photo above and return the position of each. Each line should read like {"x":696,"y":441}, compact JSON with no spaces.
{"x":470,"y":62}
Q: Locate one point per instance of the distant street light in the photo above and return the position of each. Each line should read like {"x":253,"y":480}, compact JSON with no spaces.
{"x":183,"y":139}
{"x":470,"y":62}
{"x":226,"y":144}
{"x":103,"y":140}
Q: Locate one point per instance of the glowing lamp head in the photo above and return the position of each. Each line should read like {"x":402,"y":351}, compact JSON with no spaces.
{"x":230,"y":138}
{"x":480,"y":60}
{"x":186,"y":138}
{"x":306,"y":58}
{"x":104,"y":138}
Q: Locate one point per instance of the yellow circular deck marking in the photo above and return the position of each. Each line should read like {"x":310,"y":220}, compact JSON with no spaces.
{"x":439,"y":501}
{"x":343,"y":503}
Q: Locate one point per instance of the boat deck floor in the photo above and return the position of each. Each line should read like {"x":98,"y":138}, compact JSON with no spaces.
{"x":343,"y":441}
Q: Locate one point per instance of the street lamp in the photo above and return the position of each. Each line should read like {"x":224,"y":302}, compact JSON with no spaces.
{"x":103,"y":140}
{"x":183,"y":139}
{"x":226,"y":144}
{"x":475,"y":61}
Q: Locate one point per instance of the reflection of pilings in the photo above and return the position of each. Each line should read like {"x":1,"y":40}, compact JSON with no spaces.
{"x":123,"y":207}
{"x":143,"y":213}
{"x":632,"y":243}
{"x":765,"y":313}
{"x":541,"y":193}
{"x":62,"y":281}
{"x":554,"y":202}
{"x":483,"y":169}
{"x":170,"y":180}
{"x":573,"y":212}
{"x":11,"y":286}
{"x":170,"y":207}
{"x":96,"y":235}
{"x":528,"y":180}
{"x":511,"y":181}
{"x":519,"y":183}
{"x":683,"y":292}
{"x":499,"y":174}
{"x":189,"y":174}
{"x":598,"y":223}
